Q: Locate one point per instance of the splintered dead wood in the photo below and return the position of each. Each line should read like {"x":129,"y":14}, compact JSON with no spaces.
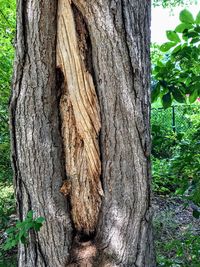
{"x":80,"y":118}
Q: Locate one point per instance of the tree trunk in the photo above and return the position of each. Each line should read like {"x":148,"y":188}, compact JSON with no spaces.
{"x":80,"y":126}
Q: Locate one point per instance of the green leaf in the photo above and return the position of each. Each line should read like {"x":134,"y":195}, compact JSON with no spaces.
{"x":167,"y":46}
{"x":160,"y":64}
{"x":30,"y":215}
{"x":21,"y":233}
{"x":19,"y":224}
{"x":173,"y":36}
{"x":10,"y":230}
{"x":195,"y":40}
{"x":195,"y":86}
{"x":188,"y":81}
{"x":28,"y":225}
{"x":197,"y":29}
{"x":176,"y":49}
{"x":40,"y":220}
{"x":166,"y":100}
{"x":37,"y":226}
{"x":23,"y":240}
{"x":178,"y":96}
{"x":192,"y":34}
{"x":14,"y":243}
{"x":186,"y":16}
{"x":193,"y":96}
{"x":7,"y":246}
{"x":181,"y":27}
{"x":155,"y":93}
{"x":198,"y":18}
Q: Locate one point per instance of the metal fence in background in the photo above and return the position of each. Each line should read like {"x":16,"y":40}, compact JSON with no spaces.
{"x":175,"y":118}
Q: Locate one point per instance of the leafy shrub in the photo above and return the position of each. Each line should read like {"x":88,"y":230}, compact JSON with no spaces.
{"x":19,"y":232}
{"x":179,"y":252}
{"x":176,"y":74}
{"x":185,"y":165}
{"x":5,"y":164}
{"x":163,"y":183}
{"x":176,"y":156}
{"x":7,"y":204}
{"x":7,"y":33}
{"x":163,"y":141}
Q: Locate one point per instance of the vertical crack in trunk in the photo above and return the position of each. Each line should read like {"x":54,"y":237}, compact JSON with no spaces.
{"x":80,"y":117}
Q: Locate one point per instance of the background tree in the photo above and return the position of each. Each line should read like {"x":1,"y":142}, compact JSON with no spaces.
{"x":101,"y":82}
{"x":175,"y":73}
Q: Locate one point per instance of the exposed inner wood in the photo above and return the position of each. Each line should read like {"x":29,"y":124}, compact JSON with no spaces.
{"x":80,"y":117}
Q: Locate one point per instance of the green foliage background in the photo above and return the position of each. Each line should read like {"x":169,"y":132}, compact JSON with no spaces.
{"x":7,"y":201}
{"x":175,"y":68}
{"x":7,"y":33}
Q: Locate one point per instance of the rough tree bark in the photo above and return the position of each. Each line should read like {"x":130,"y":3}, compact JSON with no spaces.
{"x":80,"y":126}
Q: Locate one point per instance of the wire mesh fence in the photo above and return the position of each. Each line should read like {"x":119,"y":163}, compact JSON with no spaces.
{"x":175,"y":118}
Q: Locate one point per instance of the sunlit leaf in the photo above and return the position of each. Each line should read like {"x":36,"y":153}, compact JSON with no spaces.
{"x":198,"y":18}
{"x":186,"y":16}
{"x":193,"y":96}
{"x":181,"y":27}
{"x":167,"y":46}
{"x":173,"y":36}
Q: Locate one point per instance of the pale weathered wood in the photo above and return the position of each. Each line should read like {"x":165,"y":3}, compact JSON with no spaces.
{"x":80,"y":121}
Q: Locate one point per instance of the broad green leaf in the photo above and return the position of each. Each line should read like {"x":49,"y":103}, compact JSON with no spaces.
{"x":155,"y":93}
{"x":193,"y":96}
{"x":166,"y":100}
{"x":28,"y":225}
{"x":19,"y":224}
{"x":197,"y":29}
{"x":158,"y":68}
{"x":186,"y":16}
{"x":178,"y":96}
{"x":21,"y":233}
{"x":23,"y":240}
{"x":10,"y":230}
{"x":7,"y":246}
{"x":160,"y":64}
{"x":173,"y":36}
{"x":198,"y":18}
{"x":192,"y":34}
{"x":176,"y":49}
{"x":37,"y":226}
{"x":188,"y":81}
{"x":14,"y":243}
{"x":30,"y":214}
{"x":181,"y":27}
{"x":40,"y":220}
{"x":167,"y":46}
{"x":185,"y":36}
{"x":195,"y":86}
{"x":195,"y":40}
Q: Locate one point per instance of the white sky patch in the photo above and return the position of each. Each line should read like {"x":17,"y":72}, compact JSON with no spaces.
{"x":164,"y":19}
